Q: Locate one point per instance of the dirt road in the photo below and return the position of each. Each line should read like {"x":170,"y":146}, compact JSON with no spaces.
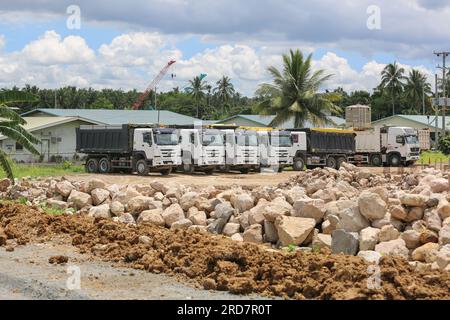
{"x":217,"y":179}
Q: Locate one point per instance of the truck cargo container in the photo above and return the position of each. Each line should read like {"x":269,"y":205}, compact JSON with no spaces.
{"x":132,"y":148}
{"x":241,"y":150}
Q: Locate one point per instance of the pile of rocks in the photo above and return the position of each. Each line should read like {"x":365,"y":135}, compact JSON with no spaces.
{"x":350,"y":211}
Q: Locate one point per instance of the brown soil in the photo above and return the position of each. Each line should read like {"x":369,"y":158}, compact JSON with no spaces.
{"x":58,"y":260}
{"x":221,"y":264}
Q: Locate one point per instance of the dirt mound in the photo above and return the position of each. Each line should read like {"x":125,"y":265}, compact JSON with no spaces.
{"x":221,"y":264}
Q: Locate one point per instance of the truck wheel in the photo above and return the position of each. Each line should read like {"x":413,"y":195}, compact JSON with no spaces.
{"x":376,"y":161}
{"x":166,"y":172}
{"x":209,"y":172}
{"x":340,"y":161}
{"x":331,"y":163}
{"x":92,"y":166}
{"x":280,"y":169}
{"x":395,"y":160}
{"x":104,"y":165}
{"x":299,"y":164}
{"x":142,"y":168}
{"x":244,"y":170}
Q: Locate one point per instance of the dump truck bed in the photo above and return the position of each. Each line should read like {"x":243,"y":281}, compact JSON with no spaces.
{"x":104,"y":139}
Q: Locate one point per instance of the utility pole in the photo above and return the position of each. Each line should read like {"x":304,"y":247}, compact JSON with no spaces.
{"x":444,"y":55}
{"x":436,"y":133}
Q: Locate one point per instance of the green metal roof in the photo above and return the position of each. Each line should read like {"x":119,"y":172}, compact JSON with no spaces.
{"x":427,"y":121}
{"x":117,"y":117}
{"x":267,"y":120}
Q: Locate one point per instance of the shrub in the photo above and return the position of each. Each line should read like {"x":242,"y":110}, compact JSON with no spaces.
{"x":444,"y":144}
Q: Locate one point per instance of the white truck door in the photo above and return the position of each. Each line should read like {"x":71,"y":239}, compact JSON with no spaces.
{"x":264,"y":147}
{"x":230,"y":147}
{"x":143,"y":141}
{"x":298,"y":142}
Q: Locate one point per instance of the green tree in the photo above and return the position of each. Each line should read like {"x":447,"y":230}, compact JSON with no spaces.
{"x":294,"y":93}
{"x":417,"y":90}
{"x":224,"y":92}
{"x":102,"y":103}
{"x":197,"y":88}
{"x":11,"y":126}
{"x":392,"y":82}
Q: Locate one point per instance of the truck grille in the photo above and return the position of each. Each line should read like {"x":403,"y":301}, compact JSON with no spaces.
{"x":168,"y":153}
{"x":415,"y":150}
{"x":212,"y":153}
{"x":282,"y":154}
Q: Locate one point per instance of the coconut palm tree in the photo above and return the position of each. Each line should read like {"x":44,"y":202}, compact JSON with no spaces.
{"x":197,"y":88}
{"x":294,"y":93}
{"x":11,"y":126}
{"x":224,"y":91}
{"x":392,"y":81}
{"x":417,"y":90}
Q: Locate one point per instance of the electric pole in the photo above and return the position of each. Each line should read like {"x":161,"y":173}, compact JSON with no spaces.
{"x":444,"y":55}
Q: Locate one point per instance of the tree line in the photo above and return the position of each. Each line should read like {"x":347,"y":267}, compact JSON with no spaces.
{"x":296,"y":90}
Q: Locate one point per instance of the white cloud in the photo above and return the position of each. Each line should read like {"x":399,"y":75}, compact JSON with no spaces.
{"x":51,"y":49}
{"x":131,"y":60}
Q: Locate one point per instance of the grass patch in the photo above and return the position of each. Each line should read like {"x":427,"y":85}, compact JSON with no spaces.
{"x":432,"y":157}
{"x":42,"y":170}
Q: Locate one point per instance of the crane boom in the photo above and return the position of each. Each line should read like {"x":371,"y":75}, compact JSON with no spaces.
{"x":152,"y":86}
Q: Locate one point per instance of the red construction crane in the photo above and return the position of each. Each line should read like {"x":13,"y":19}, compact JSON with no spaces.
{"x":152,"y":87}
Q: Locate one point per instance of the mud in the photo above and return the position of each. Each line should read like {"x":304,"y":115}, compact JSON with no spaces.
{"x":58,"y":260}
{"x":217,"y":263}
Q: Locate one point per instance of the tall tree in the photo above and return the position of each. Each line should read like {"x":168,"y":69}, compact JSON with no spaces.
{"x":392,"y":82}
{"x":417,"y":90}
{"x":11,"y":126}
{"x":294,"y":93}
{"x":224,"y":91}
{"x":197,"y":88}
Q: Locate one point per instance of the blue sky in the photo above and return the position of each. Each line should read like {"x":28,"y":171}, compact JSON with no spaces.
{"x":124,"y":44}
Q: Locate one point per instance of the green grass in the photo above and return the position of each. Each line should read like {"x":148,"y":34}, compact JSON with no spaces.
{"x":42,"y":170}
{"x":432,"y":156}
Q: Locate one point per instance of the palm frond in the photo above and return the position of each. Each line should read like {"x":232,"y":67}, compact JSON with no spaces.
{"x":8,"y":113}
{"x":4,"y":163}
{"x":16,"y":133}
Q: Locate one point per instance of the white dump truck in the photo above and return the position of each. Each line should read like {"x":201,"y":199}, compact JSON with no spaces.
{"x":391,"y":146}
{"x":131,"y":148}
{"x":275,"y":149}
{"x":202,"y":149}
{"x":241,"y":150}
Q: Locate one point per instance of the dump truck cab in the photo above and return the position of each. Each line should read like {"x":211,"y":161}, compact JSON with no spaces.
{"x":241,"y":150}
{"x":202,"y":149}
{"x":275,"y":149}
{"x":400,"y":144}
{"x":160,"y":144}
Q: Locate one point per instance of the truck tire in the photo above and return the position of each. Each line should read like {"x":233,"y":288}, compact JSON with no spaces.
{"x":104,"y":166}
{"x":280,"y":169}
{"x":376,"y":160}
{"x":299,"y":164}
{"x":142,"y":167}
{"x":331,"y":162}
{"x":166,"y":172}
{"x":91,"y":165}
{"x":340,"y":161}
{"x":244,"y":170}
{"x":209,"y":172}
{"x":395,"y":160}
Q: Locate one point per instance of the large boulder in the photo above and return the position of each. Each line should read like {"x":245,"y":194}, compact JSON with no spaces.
{"x":79,"y":200}
{"x":270,"y":232}
{"x":242,"y":202}
{"x":426,"y":253}
{"x":278,"y":207}
{"x":182,"y":224}
{"x":95,"y":184}
{"x":253,"y":234}
{"x":223,"y":212}
{"x":231,"y":228}
{"x":433,"y":220}
{"x":439,"y":185}
{"x":348,"y":216}
{"x":388,"y":233}
{"x":188,"y":200}
{"x":198,"y":218}
{"x":411,"y":238}
{"x":371,"y":206}
{"x":126,"y":195}
{"x":100,"y":212}
{"x":309,"y":208}
{"x":57,"y":204}
{"x":368,"y":239}
{"x":371,"y":257}
{"x":4,"y":184}
{"x":294,"y":230}
{"x":443,"y":209}
{"x":321,"y":241}
{"x":173,"y":214}
{"x":64,"y":188}
{"x":444,"y":235}
{"x":393,"y":248}
{"x":414,"y":200}
{"x":153,"y":217}
{"x":99,"y":196}
{"x":344,"y":242}
{"x":140,"y":203}
{"x":117,"y":208}
{"x":443,"y":257}
{"x":398,"y":212}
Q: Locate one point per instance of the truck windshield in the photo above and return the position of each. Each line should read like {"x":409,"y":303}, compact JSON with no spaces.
{"x":412,"y":140}
{"x":281,"y":141}
{"x":213,"y":139}
{"x":247,"y":140}
{"x":166,"y":139}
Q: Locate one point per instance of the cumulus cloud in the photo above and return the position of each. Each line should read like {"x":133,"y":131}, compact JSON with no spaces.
{"x":131,"y":60}
{"x":51,"y":49}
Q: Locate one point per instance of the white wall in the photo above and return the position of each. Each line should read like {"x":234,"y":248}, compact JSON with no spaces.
{"x":65,"y":147}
